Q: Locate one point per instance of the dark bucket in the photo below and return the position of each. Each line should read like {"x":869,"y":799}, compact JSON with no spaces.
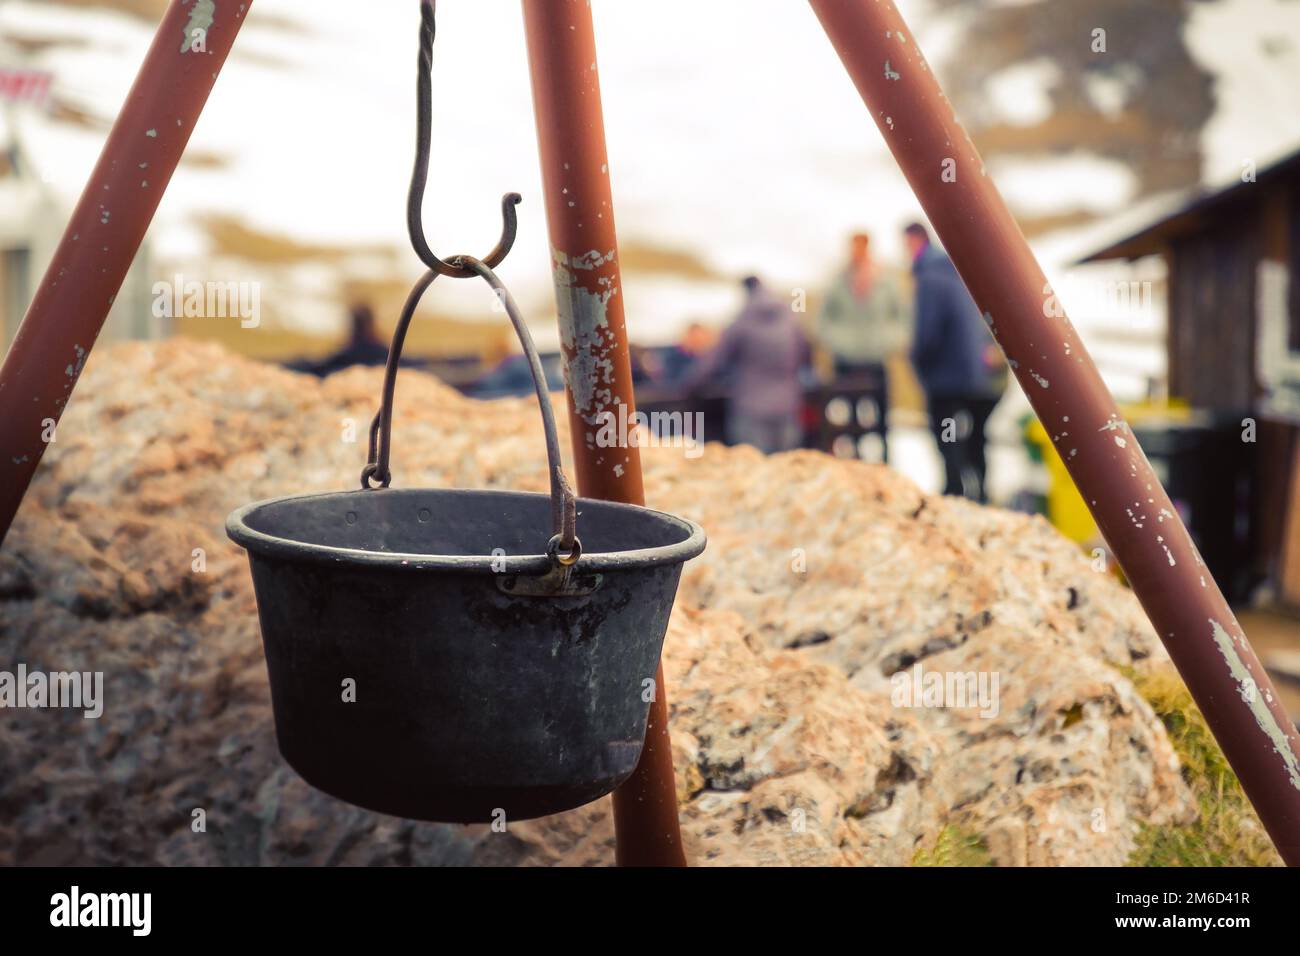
{"x":486,"y":679}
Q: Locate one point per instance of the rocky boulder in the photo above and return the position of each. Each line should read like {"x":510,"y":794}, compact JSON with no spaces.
{"x":799,"y":661}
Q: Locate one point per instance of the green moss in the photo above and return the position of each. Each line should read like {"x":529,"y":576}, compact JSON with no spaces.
{"x":954,"y":847}
{"x":1226,"y":831}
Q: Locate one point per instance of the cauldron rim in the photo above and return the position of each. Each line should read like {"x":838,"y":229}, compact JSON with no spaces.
{"x":275,"y":546}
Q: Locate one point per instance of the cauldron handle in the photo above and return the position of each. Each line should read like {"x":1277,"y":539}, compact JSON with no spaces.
{"x":564,"y":546}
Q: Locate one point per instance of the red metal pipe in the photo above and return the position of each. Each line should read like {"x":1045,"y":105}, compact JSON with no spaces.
{"x":1132,"y":510}
{"x":106,"y":228}
{"x":598,"y":371}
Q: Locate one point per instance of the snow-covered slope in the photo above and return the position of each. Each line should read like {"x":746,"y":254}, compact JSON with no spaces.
{"x":735,"y":137}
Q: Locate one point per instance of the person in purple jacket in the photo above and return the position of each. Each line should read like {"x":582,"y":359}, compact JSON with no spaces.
{"x":960,"y":367}
{"x":761,"y":354}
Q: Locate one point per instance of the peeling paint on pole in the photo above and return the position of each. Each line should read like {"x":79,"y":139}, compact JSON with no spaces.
{"x":585,"y":334}
{"x":1258,"y":700}
{"x":598,"y":367}
{"x":202,"y":13}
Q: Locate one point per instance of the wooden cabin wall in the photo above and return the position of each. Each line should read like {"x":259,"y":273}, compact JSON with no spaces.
{"x":1212,"y":301}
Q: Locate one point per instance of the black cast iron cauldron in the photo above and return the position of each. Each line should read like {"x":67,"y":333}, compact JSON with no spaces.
{"x":487,"y":673}
{"x":472,"y":692}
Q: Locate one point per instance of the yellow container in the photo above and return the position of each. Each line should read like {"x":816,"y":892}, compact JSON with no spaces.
{"x":1066,"y":508}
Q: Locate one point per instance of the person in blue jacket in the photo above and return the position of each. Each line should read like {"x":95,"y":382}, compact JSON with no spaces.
{"x":960,"y":367}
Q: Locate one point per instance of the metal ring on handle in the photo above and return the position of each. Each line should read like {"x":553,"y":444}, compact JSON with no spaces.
{"x":563,"y":560}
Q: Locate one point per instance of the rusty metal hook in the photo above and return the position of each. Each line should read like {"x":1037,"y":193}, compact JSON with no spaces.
{"x":420,"y":175}
{"x":376,"y":473}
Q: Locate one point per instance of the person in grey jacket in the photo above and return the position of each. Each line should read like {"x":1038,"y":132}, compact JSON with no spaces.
{"x":960,"y":367}
{"x":864,"y":317}
{"x":761,"y":353}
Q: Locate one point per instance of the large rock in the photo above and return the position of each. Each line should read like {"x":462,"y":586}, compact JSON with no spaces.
{"x":826,"y":584}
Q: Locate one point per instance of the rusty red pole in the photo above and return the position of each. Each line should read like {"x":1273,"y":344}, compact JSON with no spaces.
{"x":106,"y":229}
{"x":598,"y":371}
{"x":1131,"y":508}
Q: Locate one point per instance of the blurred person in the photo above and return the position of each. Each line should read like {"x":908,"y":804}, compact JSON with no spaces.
{"x":680,"y":360}
{"x":364,"y":346}
{"x":864,"y":318}
{"x":960,"y":367}
{"x":642,"y":362}
{"x":763,"y":352}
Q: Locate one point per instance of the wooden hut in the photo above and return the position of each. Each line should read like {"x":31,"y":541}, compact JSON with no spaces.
{"x":1232,"y":257}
